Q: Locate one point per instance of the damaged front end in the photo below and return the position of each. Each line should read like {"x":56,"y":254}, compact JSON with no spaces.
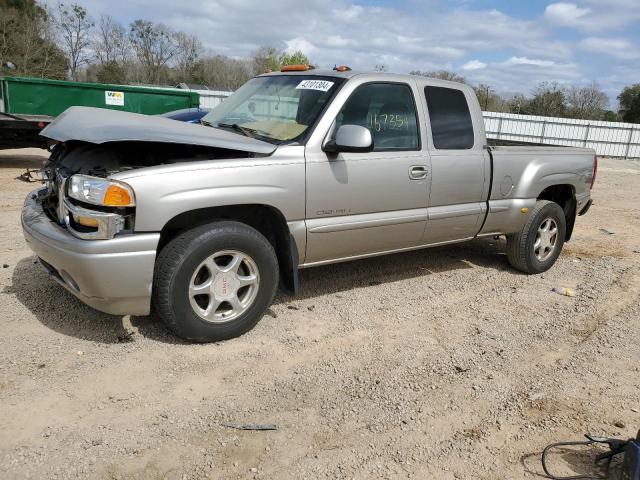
{"x":81,"y":196}
{"x":95,"y":144}
{"x":97,"y":220}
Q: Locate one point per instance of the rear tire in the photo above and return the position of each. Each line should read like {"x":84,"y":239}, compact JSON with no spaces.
{"x":214,"y":282}
{"x":537,"y":246}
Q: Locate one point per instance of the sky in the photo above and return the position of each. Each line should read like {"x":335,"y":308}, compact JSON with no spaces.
{"x":510,"y":45}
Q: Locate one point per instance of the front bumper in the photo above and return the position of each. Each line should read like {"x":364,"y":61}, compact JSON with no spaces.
{"x":114,"y":276}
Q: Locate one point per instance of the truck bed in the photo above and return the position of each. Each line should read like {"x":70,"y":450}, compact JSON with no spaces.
{"x":530,"y":148}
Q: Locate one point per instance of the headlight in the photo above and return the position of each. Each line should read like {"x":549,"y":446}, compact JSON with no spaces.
{"x":101,"y":191}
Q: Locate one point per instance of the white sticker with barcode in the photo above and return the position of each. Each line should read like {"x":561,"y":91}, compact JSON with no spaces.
{"x":322,"y":85}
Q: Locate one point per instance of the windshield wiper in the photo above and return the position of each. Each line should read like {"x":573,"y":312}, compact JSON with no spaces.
{"x":247,"y":132}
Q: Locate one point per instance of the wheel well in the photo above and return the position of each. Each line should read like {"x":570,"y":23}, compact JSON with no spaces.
{"x":565,"y":196}
{"x":268,"y":220}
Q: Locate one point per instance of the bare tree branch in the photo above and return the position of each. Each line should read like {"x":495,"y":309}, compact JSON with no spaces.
{"x":74,"y":27}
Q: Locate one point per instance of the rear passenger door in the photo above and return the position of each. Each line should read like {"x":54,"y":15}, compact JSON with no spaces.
{"x":459,"y":165}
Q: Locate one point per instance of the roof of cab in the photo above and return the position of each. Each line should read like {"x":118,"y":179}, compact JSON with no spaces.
{"x":374,"y":76}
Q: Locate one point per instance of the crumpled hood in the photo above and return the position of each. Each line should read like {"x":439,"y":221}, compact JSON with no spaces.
{"x":100,"y":125}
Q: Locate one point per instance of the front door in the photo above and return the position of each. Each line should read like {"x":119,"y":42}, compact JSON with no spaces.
{"x":365,"y":203}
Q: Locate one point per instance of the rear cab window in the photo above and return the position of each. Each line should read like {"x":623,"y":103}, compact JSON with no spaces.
{"x":388,"y":110}
{"x":451,"y":123}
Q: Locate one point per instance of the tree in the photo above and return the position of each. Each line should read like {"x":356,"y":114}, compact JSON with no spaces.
{"x":265,"y":59}
{"x":517,"y":104}
{"x":222,"y":73}
{"x":548,"y":101}
{"x":112,"y":51}
{"x":27,"y":46}
{"x":108,"y":72}
{"x":489,"y":100}
{"x":74,"y":28}
{"x":629,"y":100}
{"x":587,"y":103}
{"x":270,"y":59}
{"x":295,"y":58}
{"x":441,"y":74}
{"x":154,"y":45}
{"x":188,"y":52}
{"x":110,"y":43}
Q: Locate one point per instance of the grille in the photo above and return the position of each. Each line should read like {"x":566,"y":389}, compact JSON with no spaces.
{"x":55,"y":182}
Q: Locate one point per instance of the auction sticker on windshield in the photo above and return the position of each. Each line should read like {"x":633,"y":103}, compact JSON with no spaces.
{"x":322,"y":85}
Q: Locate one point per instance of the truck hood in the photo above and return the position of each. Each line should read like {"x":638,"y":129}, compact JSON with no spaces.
{"x":99,"y":125}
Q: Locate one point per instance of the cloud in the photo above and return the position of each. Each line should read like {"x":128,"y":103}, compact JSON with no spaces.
{"x":474,"y":65}
{"x":566,"y":14}
{"x":300,"y":44}
{"x":344,"y":31}
{"x":593,"y":15}
{"x":337,"y":41}
{"x":529,"y":61}
{"x":405,"y":36}
{"x":616,"y":47}
{"x":522,"y":74}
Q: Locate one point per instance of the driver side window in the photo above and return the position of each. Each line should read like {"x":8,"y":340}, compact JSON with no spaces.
{"x":388,"y":110}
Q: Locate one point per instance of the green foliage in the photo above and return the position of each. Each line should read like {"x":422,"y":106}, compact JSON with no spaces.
{"x":26,"y":41}
{"x":549,"y":100}
{"x":295,"y":58}
{"x":20,"y":5}
{"x":111,"y":72}
{"x":489,"y":100}
{"x":269,"y":59}
{"x":629,"y":100}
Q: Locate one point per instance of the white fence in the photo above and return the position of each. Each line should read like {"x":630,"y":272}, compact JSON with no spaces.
{"x":211,"y":98}
{"x":611,"y":139}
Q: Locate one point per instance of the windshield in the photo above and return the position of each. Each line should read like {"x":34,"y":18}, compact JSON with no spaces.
{"x":278,"y":108}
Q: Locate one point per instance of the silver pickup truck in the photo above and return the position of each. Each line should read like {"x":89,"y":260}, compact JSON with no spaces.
{"x":201,"y":223}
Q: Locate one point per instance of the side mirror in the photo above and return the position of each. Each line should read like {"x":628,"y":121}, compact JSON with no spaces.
{"x":350,"y":138}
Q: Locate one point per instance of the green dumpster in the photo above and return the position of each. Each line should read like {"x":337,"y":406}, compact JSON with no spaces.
{"x":37,"y":96}
{"x":27,"y":105}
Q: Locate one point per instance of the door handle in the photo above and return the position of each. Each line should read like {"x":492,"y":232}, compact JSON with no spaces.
{"x":418,"y":172}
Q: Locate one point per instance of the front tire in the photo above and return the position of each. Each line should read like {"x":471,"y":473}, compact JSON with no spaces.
{"x":215,"y":281}
{"x":538,"y":245}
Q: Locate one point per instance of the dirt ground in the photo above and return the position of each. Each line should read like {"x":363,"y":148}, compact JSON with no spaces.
{"x":437,"y":364}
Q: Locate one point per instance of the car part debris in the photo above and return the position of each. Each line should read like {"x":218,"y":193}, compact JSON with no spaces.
{"x":567,"y":292}
{"x":630,"y":448}
{"x":31,"y":176}
{"x":251,"y":426}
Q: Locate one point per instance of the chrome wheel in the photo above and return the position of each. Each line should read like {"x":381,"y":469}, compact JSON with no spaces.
{"x":546,"y":239}
{"x":223,"y":286}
